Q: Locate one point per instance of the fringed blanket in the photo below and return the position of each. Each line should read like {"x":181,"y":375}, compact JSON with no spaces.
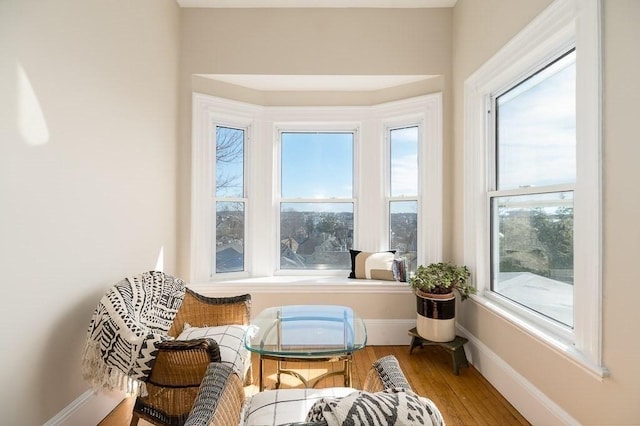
{"x":130,"y":320}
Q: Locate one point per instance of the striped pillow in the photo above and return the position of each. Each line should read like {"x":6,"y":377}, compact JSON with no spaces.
{"x":372,"y":265}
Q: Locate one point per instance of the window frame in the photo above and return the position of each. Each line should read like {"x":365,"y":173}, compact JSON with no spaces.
{"x":563,"y":24}
{"x":327,"y":127}
{"x":262,"y":157}
{"x":420,"y":200}
{"x":215,"y":199}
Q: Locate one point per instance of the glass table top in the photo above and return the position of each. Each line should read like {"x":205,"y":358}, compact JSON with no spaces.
{"x":306,"y":330}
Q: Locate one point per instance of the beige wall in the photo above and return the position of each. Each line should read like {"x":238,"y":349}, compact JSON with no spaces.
{"x":111,"y":186}
{"x":480,"y":29}
{"x":96,"y":201}
{"x":305,"y":42}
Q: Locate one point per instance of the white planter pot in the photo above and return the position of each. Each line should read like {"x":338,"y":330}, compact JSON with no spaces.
{"x":436,"y":316}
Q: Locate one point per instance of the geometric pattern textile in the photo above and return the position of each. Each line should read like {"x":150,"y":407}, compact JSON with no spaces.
{"x":391,"y":407}
{"x":286,"y":406}
{"x":129,"y":321}
{"x":372,"y":265}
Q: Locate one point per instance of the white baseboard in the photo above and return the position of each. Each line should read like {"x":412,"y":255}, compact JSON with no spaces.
{"x":534,"y":405}
{"x":87,"y":409}
{"x":389,"y":332}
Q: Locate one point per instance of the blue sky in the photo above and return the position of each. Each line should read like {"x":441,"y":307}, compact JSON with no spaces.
{"x":320,"y":165}
{"x":317,"y":165}
{"x":537,"y":131}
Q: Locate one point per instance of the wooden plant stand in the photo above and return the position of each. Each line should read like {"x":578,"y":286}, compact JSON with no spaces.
{"x":454,"y":347}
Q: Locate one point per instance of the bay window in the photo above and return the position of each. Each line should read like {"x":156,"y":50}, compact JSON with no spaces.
{"x":403,"y":193}
{"x":229,"y":200}
{"x":298,"y":187}
{"x":316,"y":200}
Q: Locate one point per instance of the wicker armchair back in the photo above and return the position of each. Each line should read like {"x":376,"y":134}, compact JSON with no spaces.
{"x":180,"y":366}
{"x":202,"y":311}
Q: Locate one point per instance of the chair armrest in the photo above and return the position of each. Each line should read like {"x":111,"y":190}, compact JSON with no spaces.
{"x":220,"y":398}
{"x":385,"y":373}
{"x":182,"y":363}
{"x":202,"y":311}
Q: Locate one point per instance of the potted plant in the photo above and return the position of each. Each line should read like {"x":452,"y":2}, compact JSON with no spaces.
{"x":434,"y":287}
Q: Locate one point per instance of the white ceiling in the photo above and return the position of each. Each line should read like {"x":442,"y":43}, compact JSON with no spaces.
{"x":346,"y":83}
{"x":317,"y":3}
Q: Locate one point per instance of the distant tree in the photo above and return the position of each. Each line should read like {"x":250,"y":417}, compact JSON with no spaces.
{"x":537,"y":241}
{"x":328,"y":223}
{"x":309,"y":225}
{"x":229,"y":149}
{"x":555,"y":232}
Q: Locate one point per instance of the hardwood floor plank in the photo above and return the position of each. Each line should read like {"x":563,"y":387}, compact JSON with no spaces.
{"x":466,"y":399}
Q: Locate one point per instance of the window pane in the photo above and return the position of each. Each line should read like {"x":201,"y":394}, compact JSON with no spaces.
{"x":403,"y":230}
{"x":229,"y":162}
{"x":316,"y":235}
{"x":532,"y":253}
{"x":536,"y":128}
{"x":229,"y":237}
{"x":404,"y":162}
{"x":317,"y":165}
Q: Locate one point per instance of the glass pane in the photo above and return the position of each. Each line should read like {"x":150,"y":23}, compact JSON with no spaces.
{"x":532,"y":253}
{"x":316,"y":235}
{"x":403,"y":230}
{"x":317,"y":165}
{"x":536,"y":128}
{"x":229,"y":162}
{"x":404,"y":162}
{"x":229,"y":238}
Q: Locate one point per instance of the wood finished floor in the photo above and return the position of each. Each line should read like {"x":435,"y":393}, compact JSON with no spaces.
{"x":467,"y":399}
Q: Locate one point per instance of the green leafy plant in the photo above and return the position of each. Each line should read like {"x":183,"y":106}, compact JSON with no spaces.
{"x":442,"y":278}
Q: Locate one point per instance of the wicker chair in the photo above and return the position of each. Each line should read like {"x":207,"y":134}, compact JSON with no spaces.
{"x":180,"y":366}
{"x":221,"y":400}
{"x":138,"y":334}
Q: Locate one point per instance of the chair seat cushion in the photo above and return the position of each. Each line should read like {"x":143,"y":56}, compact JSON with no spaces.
{"x":285,"y":406}
{"x":230,"y":340}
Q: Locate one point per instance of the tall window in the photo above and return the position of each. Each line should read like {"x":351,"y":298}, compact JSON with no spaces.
{"x":532,"y":200}
{"x":317,"y":203}
{"x":229,"y":199}
{"x":403,"y":193}
{"x":532,"y":173}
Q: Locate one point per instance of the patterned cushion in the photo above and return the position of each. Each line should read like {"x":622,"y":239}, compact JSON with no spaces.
{"x":372,"y":266}
{"x":286,"y":406}
{"x":230,"y":340}
{"x":391,"y":407}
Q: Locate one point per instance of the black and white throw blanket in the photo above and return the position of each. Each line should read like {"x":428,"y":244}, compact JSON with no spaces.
{"x":390,"y":407}
{"x":130,"y":320}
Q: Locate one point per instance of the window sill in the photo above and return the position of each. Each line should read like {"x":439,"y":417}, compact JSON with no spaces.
{"x":299,"y":284}
{"x":560,"y":345}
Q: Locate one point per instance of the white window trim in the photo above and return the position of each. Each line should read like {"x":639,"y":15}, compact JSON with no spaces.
{"x":264,"y":123}
{"x":563,"y":24}
{"x":242,"y":125}
{"x":346,"y":127}
{"x":206,"y":114}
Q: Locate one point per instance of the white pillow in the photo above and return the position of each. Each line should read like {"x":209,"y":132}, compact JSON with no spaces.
{"x":230,"y":339}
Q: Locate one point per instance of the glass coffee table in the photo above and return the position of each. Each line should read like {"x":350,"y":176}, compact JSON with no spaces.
{"x":307,"y":333}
